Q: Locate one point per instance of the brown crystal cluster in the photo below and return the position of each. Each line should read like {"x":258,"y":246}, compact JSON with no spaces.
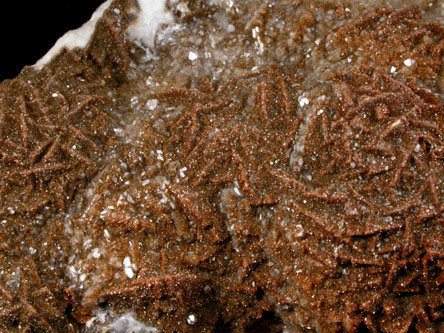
{"x":360,"y":230}
{"x":186,"y":214}
{"x":387,"y":38}
{"x":298,"y":197}
{"x":55,"y":127}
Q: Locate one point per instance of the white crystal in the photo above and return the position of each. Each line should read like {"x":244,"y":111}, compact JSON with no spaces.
{"x":123,"y":324}
{"x":303,"y":101}
{"x":152,"y":15}
{"x":191,"y":320}
{"x":192,"y":56}
{"x":160,"y":155}
{"x":151,"y":104}
{"x":129,"y":272}
{"x":96,"y":253}
{"x":255,"y":32}
{"x":182,"y":172}
{"x":409,"y":62}
{"x":127,"y":262}
{"x":118,"y":131}
{"x":183,"y":8}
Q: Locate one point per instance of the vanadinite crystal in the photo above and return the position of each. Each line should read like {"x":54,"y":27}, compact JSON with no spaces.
{"x":256,"y":166}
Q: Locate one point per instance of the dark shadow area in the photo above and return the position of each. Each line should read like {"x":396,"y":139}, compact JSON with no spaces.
{"x":31,"y":28}
{"x":269,"y":323}
{"x":221,"y":327}
{"x":363,"y":329}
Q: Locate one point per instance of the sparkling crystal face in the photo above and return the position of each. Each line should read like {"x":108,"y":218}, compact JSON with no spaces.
{"x":254,"y":165}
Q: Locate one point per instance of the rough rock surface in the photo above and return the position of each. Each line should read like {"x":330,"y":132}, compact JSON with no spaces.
{"x":270,"y":166}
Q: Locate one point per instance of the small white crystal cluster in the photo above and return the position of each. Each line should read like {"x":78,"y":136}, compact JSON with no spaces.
{"x":152,"y":15}
{"x":108,"y":321}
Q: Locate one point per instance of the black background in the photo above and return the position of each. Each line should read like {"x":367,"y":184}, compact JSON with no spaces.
{"x":29,"y":28}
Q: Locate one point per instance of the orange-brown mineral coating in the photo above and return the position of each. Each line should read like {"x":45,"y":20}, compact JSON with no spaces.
{"x":55,"y":129}
{"x":297,"y":187}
